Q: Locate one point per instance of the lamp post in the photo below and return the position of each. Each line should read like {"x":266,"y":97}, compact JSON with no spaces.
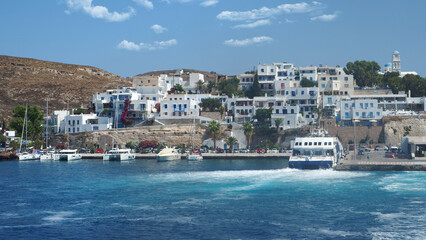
{"x":355,"y":121}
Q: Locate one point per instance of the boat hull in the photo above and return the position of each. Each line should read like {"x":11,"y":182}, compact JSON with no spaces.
{"x":46,"y":157}
{"x":310,"y":164}
{"x":29,"y":157}
{"x":172,"y":157}
{"x":194,"y":157}
{"x":67,"y":157}
{"x":118,"y":157}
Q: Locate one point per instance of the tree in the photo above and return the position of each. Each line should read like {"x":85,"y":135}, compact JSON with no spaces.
{"x":318,"y":111}
{"x":263,"y":114}
{"x":248,"y":131}
{"x":214,"y":130}
{"x":200,"y":86}
{"x":365,"y":73}
{"x":211,"y":104}
{"x":222,"y":111}
{"x":229,"y":87}
{"x":393,"y":80}
{"x":210,"y":86}
{"x":231,"y":142}
{"x":278,"y":122}
{"x":415,"y":84}
{"x":308,"y":83}
{"x":35,"y":121}
{"x":178,"y":89}
{"x":255,"y":89}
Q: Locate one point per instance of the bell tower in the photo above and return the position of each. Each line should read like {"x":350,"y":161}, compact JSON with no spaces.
{"x":396,"y":62}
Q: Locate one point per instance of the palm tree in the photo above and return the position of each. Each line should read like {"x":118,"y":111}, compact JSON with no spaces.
{"x":210,"y":86}
{"x":214,"y":130}
{"x":200,"y":86}
{"x":231,"y":141}
{"x":248,"y":131}
{"x":222,"y":111}
{"x":278,"y":122}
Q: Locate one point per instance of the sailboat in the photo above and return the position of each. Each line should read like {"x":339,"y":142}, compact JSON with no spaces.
{"x":117,"y":154}
{"x":47,"y":155}
{"x":67,"y":154}
{"x":191,"y":156}
{"x":26,"y":156}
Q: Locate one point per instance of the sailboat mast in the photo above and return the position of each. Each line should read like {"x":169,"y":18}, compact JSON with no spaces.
{"x":23,"y":127}
{"x":47,"y":123}
{"x":26,"y":126}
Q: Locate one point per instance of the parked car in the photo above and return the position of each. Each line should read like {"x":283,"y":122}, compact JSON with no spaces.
{"x":351,"y":148}
{"x":274,"y":150}
{"x":361,"y":152}
{"x":390,"y":155}
{"x":244,"y":151}
{"x":381,"y":148}
{"x":259,"y":150}
{"x":100,"y":150}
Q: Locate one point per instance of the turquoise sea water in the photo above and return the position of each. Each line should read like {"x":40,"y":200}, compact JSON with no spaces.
{"x":211,"y":199}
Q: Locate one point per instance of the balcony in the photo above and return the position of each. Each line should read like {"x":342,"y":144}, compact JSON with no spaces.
{"x":179,"y":110}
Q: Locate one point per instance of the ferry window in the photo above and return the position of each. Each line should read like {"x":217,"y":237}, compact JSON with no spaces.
{"x":297,"y":144}
{"x":319,"y":144}
{"x":315,"y":143}
{"x":329,"y":143}
{"x":306,"y":143}
{"x":310,"y":143}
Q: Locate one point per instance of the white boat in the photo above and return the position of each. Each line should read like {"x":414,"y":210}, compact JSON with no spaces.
{"x":116,"y":154}
{"x":67,"y":155}
{"x":316,"y":152}
{"x":25,"y":156}
{"x":191,"y":156}
{"x":168,"y":154}
{"x":194,"y":157}
{"x":47,"y":156}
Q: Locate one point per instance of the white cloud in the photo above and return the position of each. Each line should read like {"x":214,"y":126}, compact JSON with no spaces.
{"x":209,"y":3}
{"x":248,"y":41}
{"x":254,"y":24}
{"x":158,"y":28}
{"x":158,"y":45}
{"x":145,"y":3}
{"x":325,"y":17}
{"x":266,"y":12}
{"x":100,"y":12}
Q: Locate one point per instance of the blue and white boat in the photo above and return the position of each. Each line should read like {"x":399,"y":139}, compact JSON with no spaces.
{"x":317,"y":151}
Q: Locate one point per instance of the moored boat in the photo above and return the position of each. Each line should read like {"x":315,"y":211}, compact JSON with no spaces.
{"x":116,"y":154}
{"x":316,"y":152}
{"x":67,"y":155}
{"x":168,"y":154}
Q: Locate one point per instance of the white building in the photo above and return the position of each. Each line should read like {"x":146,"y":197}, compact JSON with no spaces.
{"x":277,"y":77}
{"x":191,"y":85}
{"x":179,"y":106}
{"x":334,"y":81}
{"x":86,"y":123}
{"x":395,"y":66}
{"x":246,"y":81}
{"x":309,"y":73}
{"x":367,"y":111}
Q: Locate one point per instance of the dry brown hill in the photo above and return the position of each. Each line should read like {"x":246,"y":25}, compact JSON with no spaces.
{"x":25,"y":80}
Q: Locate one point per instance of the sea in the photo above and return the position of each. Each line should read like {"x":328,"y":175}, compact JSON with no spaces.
{"x":209,"y":199}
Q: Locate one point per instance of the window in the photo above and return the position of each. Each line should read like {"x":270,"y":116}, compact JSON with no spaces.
{"x":288,"y":122}
{"x":78,"y":129}
{"x":306,"y":143}
{"x":323,"y":85}
{"x":297,"y":144}
{"x":184,"y":106}
{"x":303,"y":92}
{"x":277,"y":111}
{"x":262,"y":70}
{"x":315,"y":143}
{"x":330,"y":101}
{"x":371,"y":115}
{"x":371,"y":105}
{"x":272,"y":70}
{"x":154,"y":98}
{"x":310,"y":143}
{"x":165,"y":106}
{"x":360,"y":105}
{"x":346,"y":115}
{"x":78,"y":122}
{"x":319,"y":144}
{"x":284,"y":111}
{"x":346,"y":78}
{"x":378,"y":114}
{"x":292,"y":111}
{"x":357,"y":114}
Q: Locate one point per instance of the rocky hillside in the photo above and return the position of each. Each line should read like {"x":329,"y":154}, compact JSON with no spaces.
{"x":24,"y":80}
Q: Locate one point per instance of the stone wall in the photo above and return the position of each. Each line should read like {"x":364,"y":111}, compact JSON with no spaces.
{"x":346,"y":134}
{"x":213,"y":115}
{"x":170,"y":135}
{"x":398,"y":127}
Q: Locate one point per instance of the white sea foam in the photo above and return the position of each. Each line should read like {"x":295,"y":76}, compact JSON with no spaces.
{"x":387,"y":216}
{"x":256,"y":176}
{"x":403,"y":182}
{"x":192,"y":201}
{"x":329,"y":232}
{"x":60,"y":216}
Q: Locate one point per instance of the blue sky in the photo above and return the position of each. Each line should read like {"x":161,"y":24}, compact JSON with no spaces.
{"x":129,"y":37}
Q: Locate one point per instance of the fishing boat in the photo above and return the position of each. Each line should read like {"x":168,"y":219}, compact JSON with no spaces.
{"x":317,"y":151}
{"x":168,"y":154}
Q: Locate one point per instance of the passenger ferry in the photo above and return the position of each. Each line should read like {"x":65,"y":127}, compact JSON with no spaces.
{"x":317,"y":151}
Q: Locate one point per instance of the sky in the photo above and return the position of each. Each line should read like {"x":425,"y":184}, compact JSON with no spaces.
{"x":129,"y":37}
